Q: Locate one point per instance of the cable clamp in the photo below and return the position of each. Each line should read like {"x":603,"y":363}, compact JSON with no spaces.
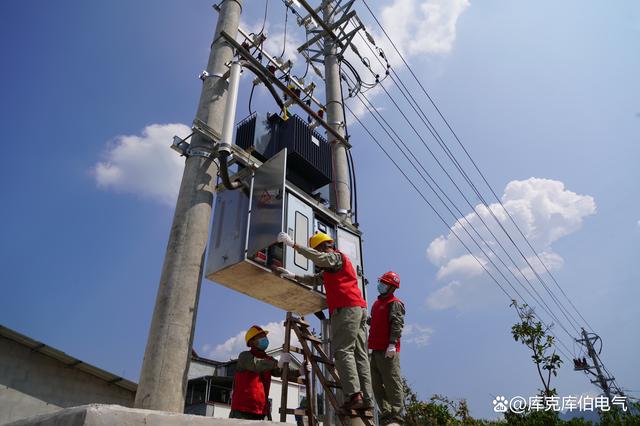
{"x":204,"y":75}
{"x":199,"y":152}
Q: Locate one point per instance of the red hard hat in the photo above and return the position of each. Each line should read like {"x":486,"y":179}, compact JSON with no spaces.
{"x":390,"y":278}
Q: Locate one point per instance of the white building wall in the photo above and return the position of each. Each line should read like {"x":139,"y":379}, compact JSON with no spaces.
{"x":200,"y":369}
{"x":294,"y":395}
{"x":220,"y":411}
{"x":32,"y":383}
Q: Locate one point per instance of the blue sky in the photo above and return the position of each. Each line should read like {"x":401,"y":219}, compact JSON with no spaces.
{"x":541,"y":90}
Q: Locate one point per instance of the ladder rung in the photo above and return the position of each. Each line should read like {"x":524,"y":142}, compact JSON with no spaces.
{"x":294,"y":411}
{"x":358,"y":413}
{"x":311,"y":337}
{"x":298,"y":380}
{"x":301,"y":322}
{"x":296,"y":350}
{"x":321,"y":360}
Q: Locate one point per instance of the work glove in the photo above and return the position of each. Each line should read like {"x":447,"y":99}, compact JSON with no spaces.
{"x":307,"y":367}
{"x":391,"y":351}
{"x":284,"y":273}
{"x":284,"y":357}
{"x":283,"y":237}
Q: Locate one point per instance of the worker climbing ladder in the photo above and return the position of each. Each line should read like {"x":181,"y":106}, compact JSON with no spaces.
{"x":310,"y":345}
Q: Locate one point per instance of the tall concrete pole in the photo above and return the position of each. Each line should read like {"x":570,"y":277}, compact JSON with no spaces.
{"x":341,"y":193}
{"x":163,"y":378}
{"x":601,"y":379}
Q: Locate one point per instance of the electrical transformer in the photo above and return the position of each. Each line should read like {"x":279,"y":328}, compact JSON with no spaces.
{"x":243,"y":251}
{"x":309,"y":154}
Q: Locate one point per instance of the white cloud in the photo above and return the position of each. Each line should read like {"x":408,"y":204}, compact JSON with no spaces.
{"x":422,"y":26}
{"x":544,"y":210}
{"x":231,"y":347}
{"x":416,"y":27}
{"x":553,"y":261}
{"x":464,"y":265}
{"x":144,"y":164}
{"x":417,"y":334}
{"x":276,"y":41}
{"x":445,"y":297}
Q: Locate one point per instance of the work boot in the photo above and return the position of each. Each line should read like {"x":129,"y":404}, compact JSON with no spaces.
{"x":356,"y":402}
{"x":367,"y":404}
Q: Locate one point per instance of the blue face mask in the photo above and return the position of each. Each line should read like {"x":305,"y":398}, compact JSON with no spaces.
{"x":262,"y":343}
{"x":382,"y":288}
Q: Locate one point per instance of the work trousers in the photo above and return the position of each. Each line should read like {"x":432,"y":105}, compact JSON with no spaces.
{"x":387,"y":386}
{"x":349,"y":342}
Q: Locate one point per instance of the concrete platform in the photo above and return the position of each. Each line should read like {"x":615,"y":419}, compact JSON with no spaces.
{"x":116,"y":415}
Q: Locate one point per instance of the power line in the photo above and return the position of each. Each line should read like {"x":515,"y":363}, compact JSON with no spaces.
{"x":564,"y":310}
{"x":286,"y":20}
{"x":474,"y":164}
{"x":442,"y":144}
{"x":461,"y":214}
{"x":421,"y":194}
{"x":432,"y":130}
{"x":373,"y":111}
{"x":264,"y":21}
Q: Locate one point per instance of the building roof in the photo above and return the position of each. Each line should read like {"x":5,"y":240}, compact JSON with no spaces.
{"x":68,"y":360}
{"x":196,"y":357}
{"x":272,"y":352}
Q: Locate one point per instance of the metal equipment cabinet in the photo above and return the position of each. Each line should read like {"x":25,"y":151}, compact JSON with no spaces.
{"x":243,"y":251}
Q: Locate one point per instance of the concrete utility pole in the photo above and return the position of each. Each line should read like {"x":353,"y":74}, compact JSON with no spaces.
{"x":601,"y":380}
{"x":341,"y":196}
{"x":163,"y":377}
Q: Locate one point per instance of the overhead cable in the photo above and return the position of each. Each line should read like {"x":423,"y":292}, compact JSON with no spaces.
{"x":474,"y":163}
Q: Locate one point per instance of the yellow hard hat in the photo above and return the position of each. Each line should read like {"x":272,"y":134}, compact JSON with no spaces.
{"x":318,"y":239}
{"x":253,"y":332}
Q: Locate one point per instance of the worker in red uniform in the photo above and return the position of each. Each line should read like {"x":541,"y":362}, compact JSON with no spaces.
{"x":348,"y":311}
{"x":251,"y":383}
{"x":387,"y":321}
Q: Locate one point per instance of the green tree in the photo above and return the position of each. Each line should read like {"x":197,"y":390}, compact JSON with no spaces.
{"x":438,"y":411}
{"x":537,"y":338}
{"x":618,"y":417}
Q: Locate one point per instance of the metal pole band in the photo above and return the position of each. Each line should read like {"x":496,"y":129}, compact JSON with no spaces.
{"x":199,"y":152}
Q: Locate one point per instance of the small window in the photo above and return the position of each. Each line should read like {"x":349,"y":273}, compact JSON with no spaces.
{"x":301,"y":237}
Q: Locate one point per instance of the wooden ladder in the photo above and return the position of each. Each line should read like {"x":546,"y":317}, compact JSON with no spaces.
{"x":310,"y":343}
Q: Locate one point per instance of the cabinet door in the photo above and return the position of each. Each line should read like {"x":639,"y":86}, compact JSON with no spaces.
{"x":299,"y":225}
{"x":267,"y":204}
{"x":228,"y":231}
{"x":349,"y":244}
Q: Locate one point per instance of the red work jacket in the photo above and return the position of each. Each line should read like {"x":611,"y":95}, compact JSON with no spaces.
{"x":380,"y":332}
{"x":342,"y":287}
{"x":251,"y":389}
